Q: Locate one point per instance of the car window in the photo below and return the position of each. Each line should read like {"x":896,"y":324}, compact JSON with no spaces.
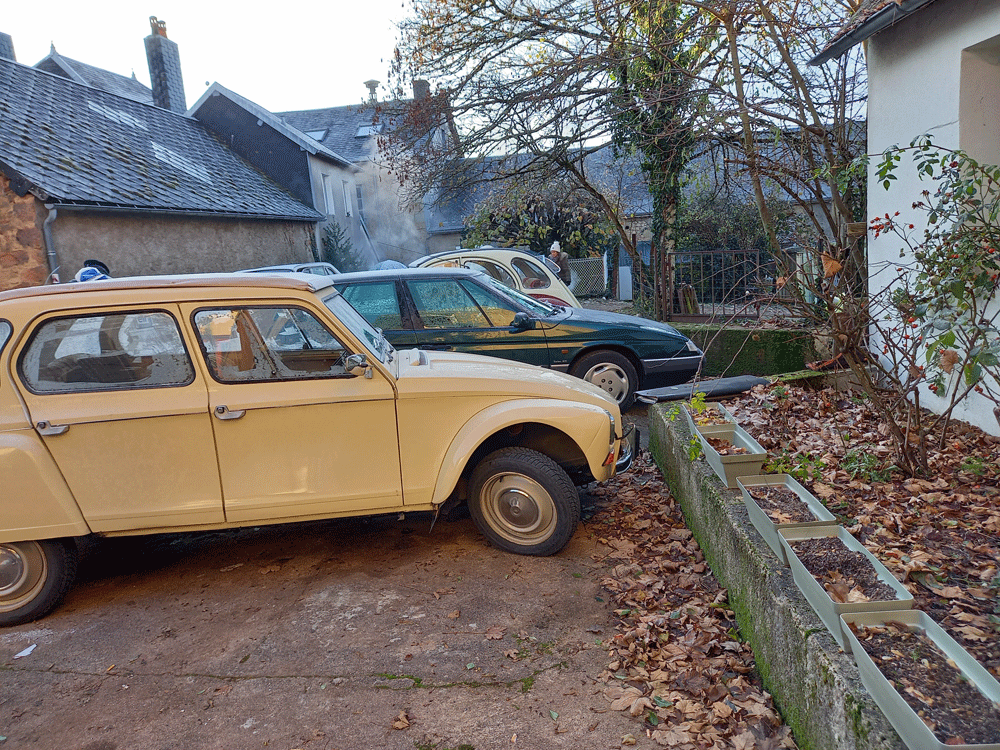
{"x":495,"y":270}
{"x":371,"y":337}
{"x":443,"y":303}
{"x":253,"y":344}
{"x":377,"y":302}
{"x":5,"y":331}
{"x":106,"y":352}
{"x":500,"y":311}
{"x":532,"y":275}
{"x":527,"y":302}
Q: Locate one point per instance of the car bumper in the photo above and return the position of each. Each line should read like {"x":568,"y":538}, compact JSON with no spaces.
{"x":686,"y":362}
{"x":630,"y":443}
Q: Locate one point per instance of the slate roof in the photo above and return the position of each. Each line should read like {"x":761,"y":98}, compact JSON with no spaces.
{"x":79,"y":145}
{"x":289,"y":130}
{"x":120,"y":85}
{"x":339,"y":127}
{"x":871,"y":17}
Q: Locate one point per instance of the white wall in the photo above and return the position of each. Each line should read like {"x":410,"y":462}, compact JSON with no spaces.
{"x":936,"y":72}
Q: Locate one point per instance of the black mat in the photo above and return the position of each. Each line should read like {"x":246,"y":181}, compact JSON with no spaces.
{"x":717,"y":387}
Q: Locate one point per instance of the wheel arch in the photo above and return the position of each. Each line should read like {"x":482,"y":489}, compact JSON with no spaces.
{"x":50,"y":511}
{"x":560,"y":434}
{"x":625,"y":351}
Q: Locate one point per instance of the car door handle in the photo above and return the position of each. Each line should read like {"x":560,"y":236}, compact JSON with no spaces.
{"x":47,"y":428}
{"x":223,"y":412}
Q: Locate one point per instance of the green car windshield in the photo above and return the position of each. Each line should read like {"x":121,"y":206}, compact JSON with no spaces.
{"x":533,"y":305}
{"x":372,"y":337}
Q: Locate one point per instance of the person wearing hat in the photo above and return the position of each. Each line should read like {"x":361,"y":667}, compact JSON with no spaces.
{"x":561,"y":259}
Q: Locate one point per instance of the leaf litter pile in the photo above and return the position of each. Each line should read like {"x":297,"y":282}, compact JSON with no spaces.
{"x":676,"y":662}
{"x":939,"y":535}
{"x":724,"y":447}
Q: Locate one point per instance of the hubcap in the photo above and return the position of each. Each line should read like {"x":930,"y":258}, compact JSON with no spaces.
{"x":22,"y":573}
{"x":518,"y":508}
{"x":610,"y":379}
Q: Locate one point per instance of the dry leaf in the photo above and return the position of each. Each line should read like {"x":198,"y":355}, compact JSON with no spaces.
{"x":948,"y":359}
{"x":454,"y":615}
{"x":495,"y":633}
{"x":831,"y":266}
{"x":402,"y":721}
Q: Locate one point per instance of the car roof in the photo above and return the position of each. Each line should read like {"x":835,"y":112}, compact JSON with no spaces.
{"x":299,"y":281}
{"x":395,"y":273}
{"x":485,"y":250}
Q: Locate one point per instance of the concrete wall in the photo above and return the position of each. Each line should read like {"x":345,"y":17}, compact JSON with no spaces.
{"x":815,"y":685}
{"x":134,"y":245}
{"x":22,"y":249}
{"x":936,"y":72}
{"x":740,"y":351}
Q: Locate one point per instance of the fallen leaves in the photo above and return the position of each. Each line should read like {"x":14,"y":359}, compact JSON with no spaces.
{"x":939,"y":534}
{"x":675,"y":662}
{"x":402,"y":721}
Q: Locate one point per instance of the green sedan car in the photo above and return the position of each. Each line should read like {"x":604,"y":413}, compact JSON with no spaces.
{"x":467,"y":311}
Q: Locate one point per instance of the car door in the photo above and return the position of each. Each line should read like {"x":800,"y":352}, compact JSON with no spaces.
{"x":379,"y":303}
{"x":123,"y":410}
{"x":460,"y":315}
{"x":297,"y":435}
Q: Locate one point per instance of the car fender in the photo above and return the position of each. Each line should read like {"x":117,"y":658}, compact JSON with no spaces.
{"x":587,"y":425}
{"x":38,"y":504}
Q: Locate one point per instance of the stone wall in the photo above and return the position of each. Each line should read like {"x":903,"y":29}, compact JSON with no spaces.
{"x":22,"y":249}
{"x":136,"y":245}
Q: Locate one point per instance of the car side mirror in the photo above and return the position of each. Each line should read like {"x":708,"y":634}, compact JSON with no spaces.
{"x":522,"y":322}
{"x":354,"y":361}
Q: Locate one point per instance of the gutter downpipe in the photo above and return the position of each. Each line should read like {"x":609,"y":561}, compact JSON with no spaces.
{"x":50,"y":244}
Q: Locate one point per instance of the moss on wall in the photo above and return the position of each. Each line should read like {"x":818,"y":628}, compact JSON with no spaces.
{"x":741,"y":351}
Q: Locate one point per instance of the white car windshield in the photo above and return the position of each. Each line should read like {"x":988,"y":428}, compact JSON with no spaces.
{"x":372,"y":337}
{"x":531,"y":304}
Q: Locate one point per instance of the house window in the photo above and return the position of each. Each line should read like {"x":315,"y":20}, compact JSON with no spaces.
{"x":366,"y":130}
{"x":316,"y":135}
{"x":348,"y":209}
{"x":329,"y":209}
{"x":361,"y":203}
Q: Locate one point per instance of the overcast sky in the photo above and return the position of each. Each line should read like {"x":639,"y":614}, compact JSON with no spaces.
{"x":289,"y":56}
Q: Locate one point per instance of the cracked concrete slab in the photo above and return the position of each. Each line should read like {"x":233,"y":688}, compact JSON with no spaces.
{"x":317,"y":636}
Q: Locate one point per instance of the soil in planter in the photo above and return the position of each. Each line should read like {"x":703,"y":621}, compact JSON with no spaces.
{"x":952,"y":708}
{"x":709,"y":416}
{"x":781,"y":504}
{"x":724,"y":447}
{"x":846,"y":575}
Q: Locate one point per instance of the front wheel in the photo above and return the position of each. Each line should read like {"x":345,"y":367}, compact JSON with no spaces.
{"x":34,"y":577}
{"x":612,"y":373}
{"x":524,"y":502}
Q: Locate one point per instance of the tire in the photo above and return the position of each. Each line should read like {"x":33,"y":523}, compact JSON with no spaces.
{"x":612,"y":373}
{"x":34,"y":577}
{"x":523,"y":502}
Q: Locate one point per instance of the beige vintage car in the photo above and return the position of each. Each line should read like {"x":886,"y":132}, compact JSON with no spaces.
{"x":165,"y":404}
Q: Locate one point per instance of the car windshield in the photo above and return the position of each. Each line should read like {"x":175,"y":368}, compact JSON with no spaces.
{"x":530,"y":304}
{"x":372,"y":337}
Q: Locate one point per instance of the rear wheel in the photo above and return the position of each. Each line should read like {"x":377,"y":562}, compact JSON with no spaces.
{"x":612,"y":373}
{"x":524,"y":502}
{"x":34,"y":577}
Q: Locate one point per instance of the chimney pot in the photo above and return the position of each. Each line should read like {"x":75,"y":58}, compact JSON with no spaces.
{"x":372,"y":85}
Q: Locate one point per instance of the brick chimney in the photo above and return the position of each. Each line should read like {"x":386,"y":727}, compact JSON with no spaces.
{"x":164,"y":68}
{"x":421,"y":89}
{"x":6,"y":47}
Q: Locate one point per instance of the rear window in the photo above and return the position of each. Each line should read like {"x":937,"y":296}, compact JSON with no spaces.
{"x":5,"y":331}
{"x":105,"y":353}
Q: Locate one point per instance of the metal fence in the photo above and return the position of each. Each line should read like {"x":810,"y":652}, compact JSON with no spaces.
{"x":707,"y":285}
{"x":589,"y":276}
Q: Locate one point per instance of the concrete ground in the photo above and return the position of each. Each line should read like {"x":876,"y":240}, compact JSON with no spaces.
{"x":333,"y":635}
